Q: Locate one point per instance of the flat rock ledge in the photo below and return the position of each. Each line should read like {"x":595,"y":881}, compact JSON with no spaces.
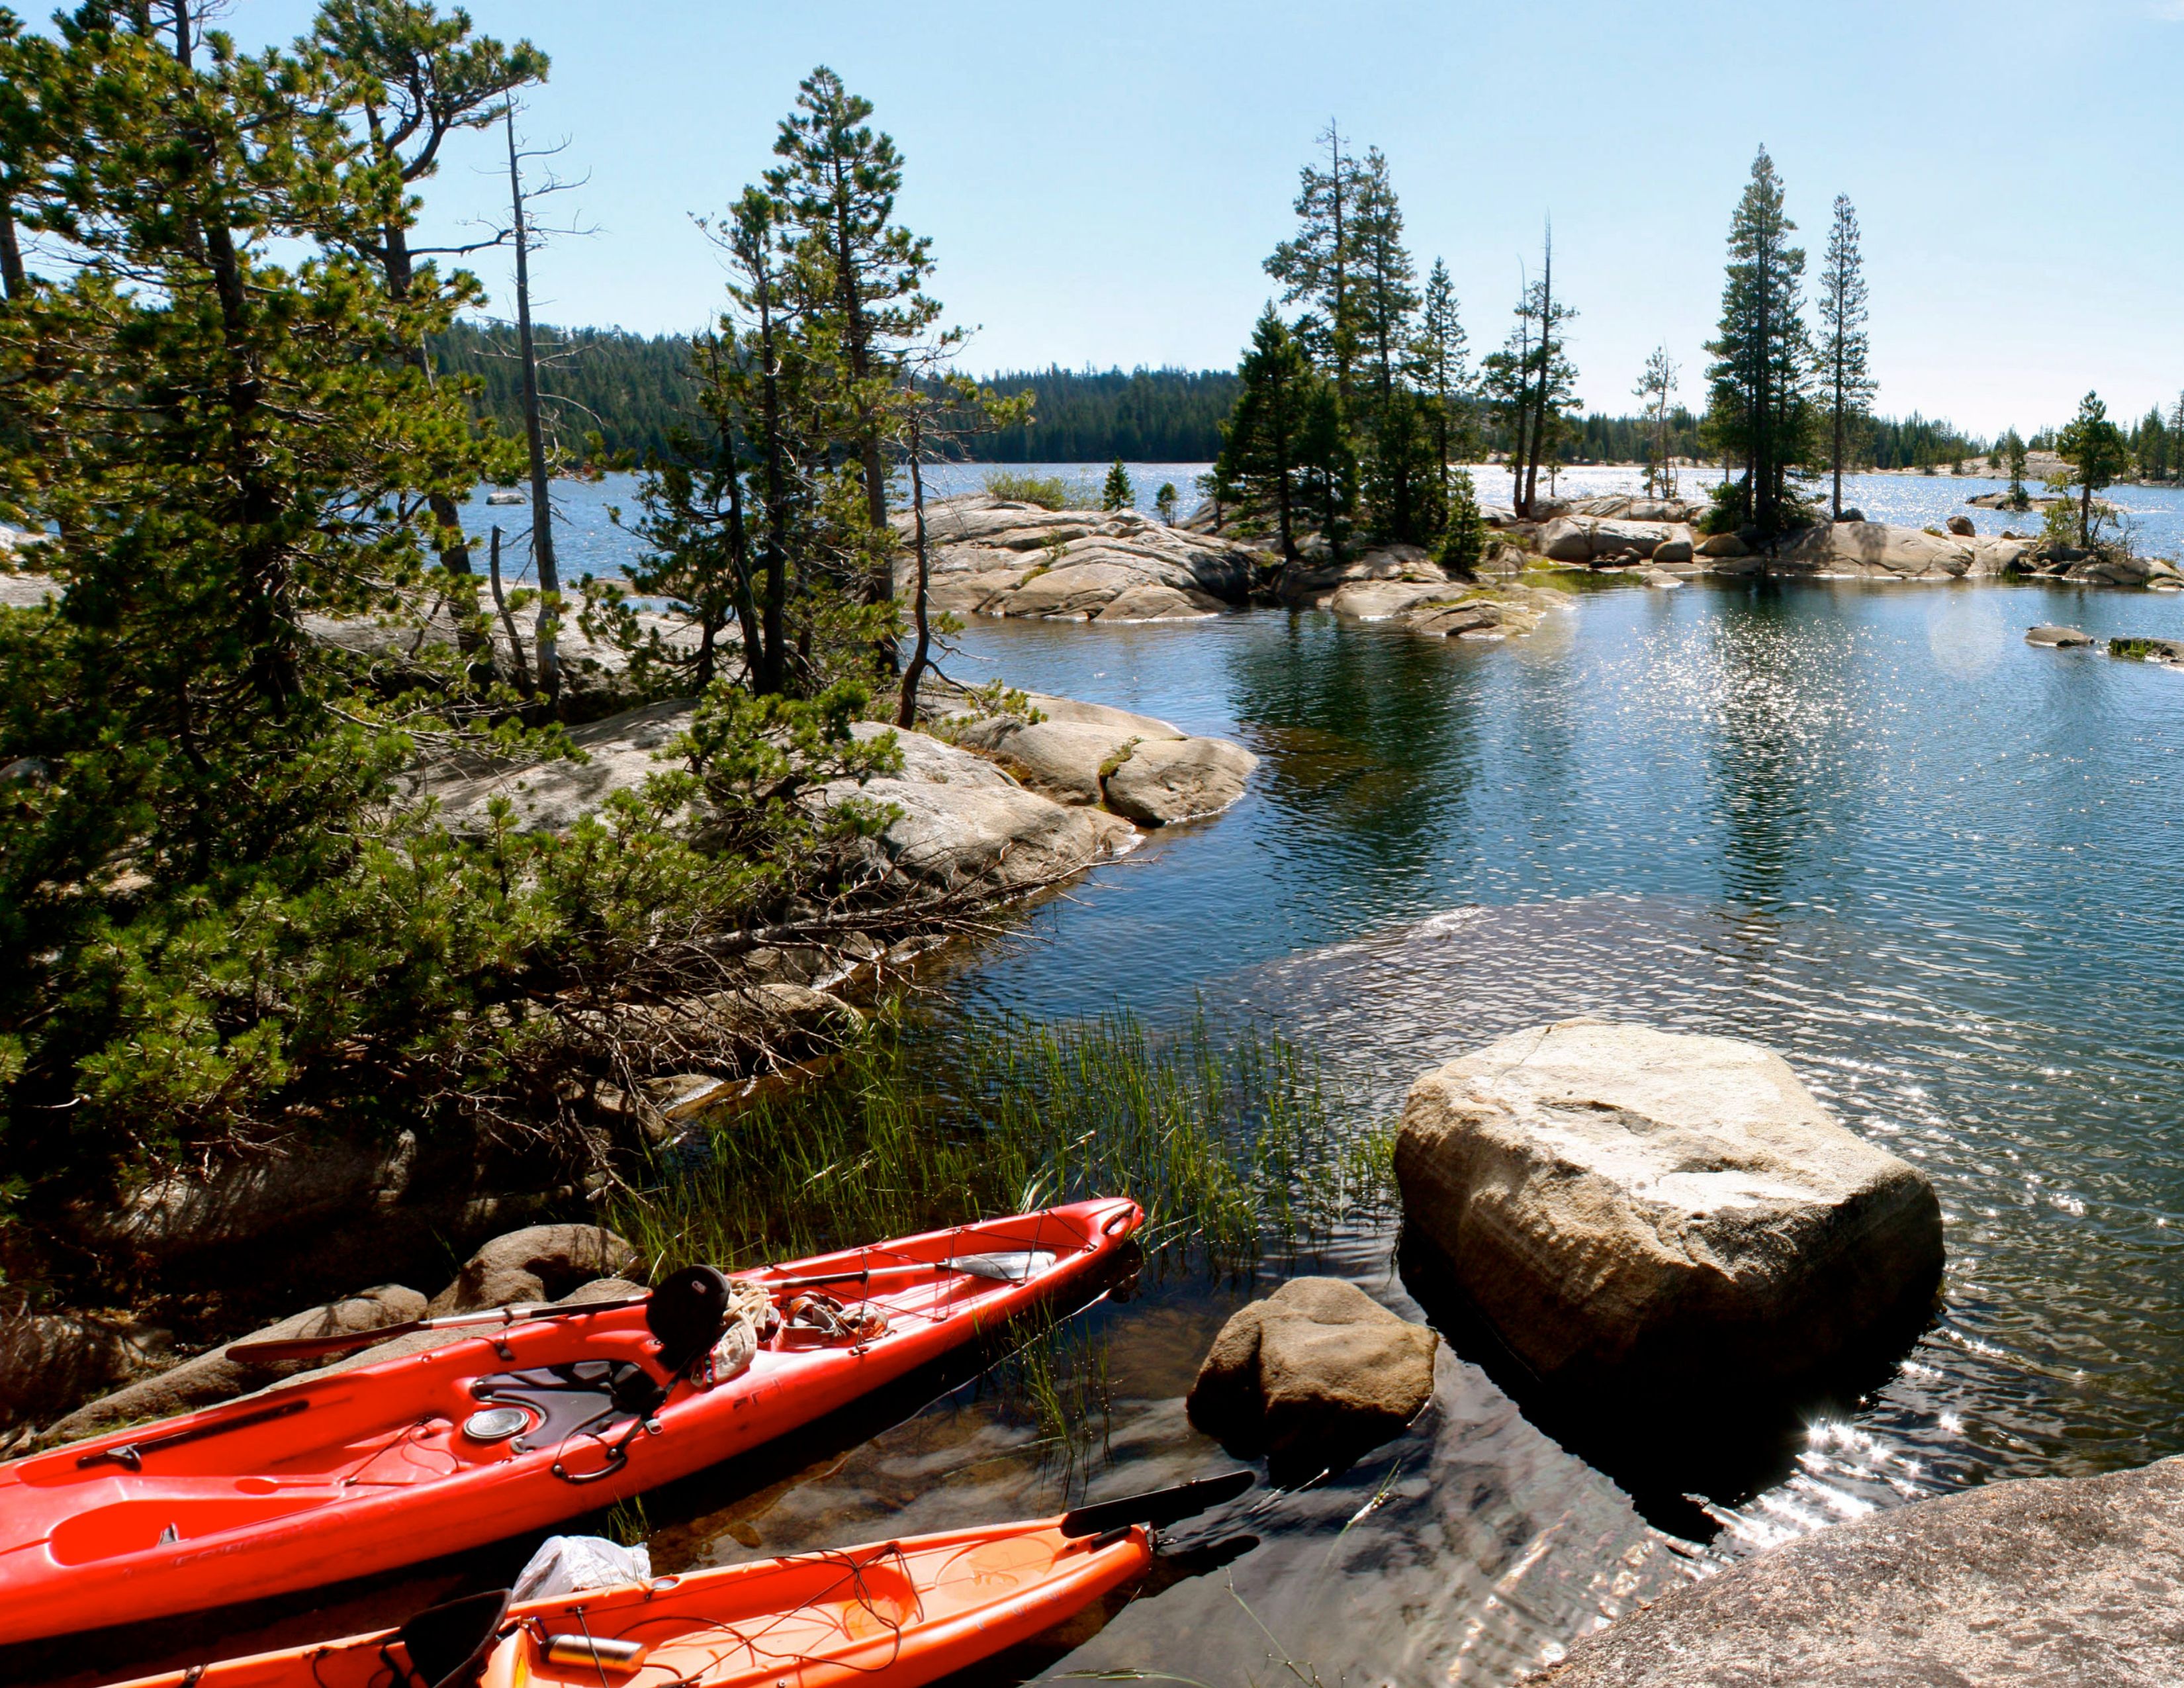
{"x":989,"y":556}
{"x":2042,"y":1583}
{"x":1663,"y":1213}
{"x":1318,"y":1372}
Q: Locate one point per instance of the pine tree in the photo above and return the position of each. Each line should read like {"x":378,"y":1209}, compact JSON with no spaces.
{"x":1534,"y":381}
{"x":837,"y":184}
{"x":413,"y":79}
{"x":1759,"y":410}
{"x":1401,"y":491}
{"x":2151,"y":446}
{"x":1317,"y":263}
{"x":1328,"y":465}
{"x":2013,"y":457}
{"x":1262,"y":452}
{"x":1164,"y":502}
{"x":2096,"y":449}
{"x":1656,"y":387}
{"x":1118,"y":493}
{"x":1463,"y":539}
{"x":1384,"y":282}
{"x":228,"y":449}
{"x":1437,"y":365}
{"x":1846,"y":381}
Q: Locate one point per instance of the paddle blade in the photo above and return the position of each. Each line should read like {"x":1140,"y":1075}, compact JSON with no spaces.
{"x":1158,"y":1506}
{"x":1020,"y":1268}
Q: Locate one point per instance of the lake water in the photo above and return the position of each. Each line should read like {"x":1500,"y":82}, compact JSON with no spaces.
{"x":1864,"y":824}
{"x":590,"y":541}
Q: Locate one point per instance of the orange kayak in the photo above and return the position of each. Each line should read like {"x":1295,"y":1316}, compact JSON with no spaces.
{"x":334,"y":1475}
{"x":897,"y":1614}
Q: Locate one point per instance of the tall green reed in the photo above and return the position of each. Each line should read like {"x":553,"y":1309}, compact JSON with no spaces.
{"x":1231,"y":1144}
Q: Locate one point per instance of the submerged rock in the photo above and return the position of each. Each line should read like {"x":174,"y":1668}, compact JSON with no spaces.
{"x":2048,"y":1581}
{"x":1318,"y":1372}
{"x":1631,"y":1208}
{"x":2147,"y":650}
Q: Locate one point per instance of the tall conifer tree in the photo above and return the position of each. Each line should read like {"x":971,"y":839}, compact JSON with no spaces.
{"x":1264,"y":451}
{"x":838,"y":183}
{"x":1759,"y":407}
{"x":1316,"y":264}
{"x":1846,"y":382}
{"x":1438,"y":366}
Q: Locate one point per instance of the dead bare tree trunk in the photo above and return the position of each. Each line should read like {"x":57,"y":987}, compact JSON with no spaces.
{"x":921,"y":654}
{"x":541,"y":505}
{"x":500,"y":603}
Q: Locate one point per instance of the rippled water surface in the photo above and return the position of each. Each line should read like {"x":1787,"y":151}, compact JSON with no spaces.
{"x":1865,"y":824}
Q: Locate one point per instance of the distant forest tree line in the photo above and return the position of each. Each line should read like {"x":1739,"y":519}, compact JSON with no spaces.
{"x":632,"y":390}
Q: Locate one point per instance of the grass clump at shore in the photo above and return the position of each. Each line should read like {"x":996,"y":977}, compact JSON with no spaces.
{"x":1049,"y":491}
{"x":1231,"y":1146}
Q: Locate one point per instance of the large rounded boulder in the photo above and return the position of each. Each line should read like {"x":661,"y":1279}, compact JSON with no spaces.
{"x":1626,"y":1207}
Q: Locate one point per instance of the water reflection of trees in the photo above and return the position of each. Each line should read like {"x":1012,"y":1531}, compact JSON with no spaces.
{"x":1372,"y":745}
{"x":1779,"y":724}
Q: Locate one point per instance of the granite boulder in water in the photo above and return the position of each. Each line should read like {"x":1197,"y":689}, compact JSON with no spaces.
{"x":1627,"y":1206}
{"x":1318,"y":1372}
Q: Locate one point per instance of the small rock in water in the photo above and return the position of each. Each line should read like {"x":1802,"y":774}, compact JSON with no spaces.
{"x":1662,"y":1213}
{"x":1318,"y":1372}
{"x":1962,"y":526}
{"x":2058,"y":638}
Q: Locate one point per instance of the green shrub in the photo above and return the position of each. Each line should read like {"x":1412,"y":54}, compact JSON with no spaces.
{"x":1049,"y":491}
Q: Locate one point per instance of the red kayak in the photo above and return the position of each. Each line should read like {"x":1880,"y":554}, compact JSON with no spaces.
{"x":893,"y":1615}
{"x":334,"y":1475}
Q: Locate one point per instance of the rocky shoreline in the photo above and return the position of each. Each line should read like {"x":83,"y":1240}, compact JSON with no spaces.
{"x":988,"y":556}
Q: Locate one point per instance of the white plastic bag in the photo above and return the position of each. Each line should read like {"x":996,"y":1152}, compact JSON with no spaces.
{"x":572,"y":1565}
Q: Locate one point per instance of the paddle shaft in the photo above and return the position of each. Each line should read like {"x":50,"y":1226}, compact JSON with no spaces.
{"x":307,"y":1347}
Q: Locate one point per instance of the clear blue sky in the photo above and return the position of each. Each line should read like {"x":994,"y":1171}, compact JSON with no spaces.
{"x":1101,"y":183}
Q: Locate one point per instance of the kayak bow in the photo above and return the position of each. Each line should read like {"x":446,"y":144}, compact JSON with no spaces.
{"x":332,"y":1475}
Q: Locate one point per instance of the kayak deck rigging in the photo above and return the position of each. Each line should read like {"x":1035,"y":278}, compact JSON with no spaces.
{"x":332,"y":1474}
